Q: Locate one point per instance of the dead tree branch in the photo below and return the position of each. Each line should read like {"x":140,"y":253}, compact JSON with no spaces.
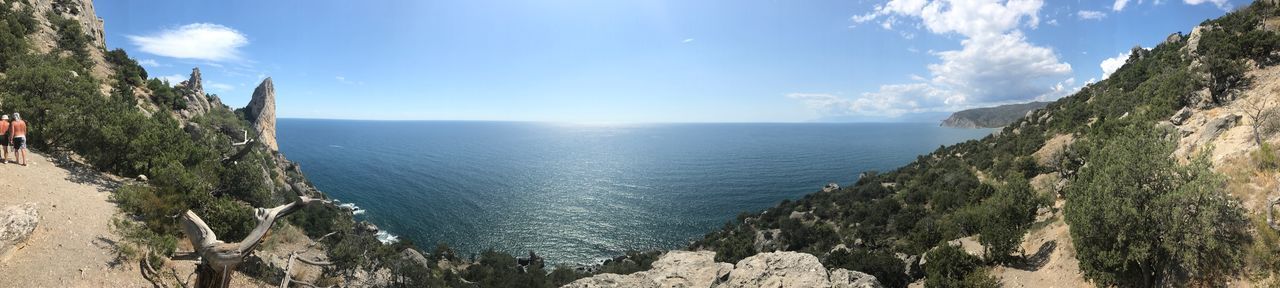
{"x":219,"y":259}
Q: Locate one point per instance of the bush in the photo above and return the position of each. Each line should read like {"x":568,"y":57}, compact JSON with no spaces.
{"x":1265,"y":157}
{"x":1136,"y":227}
{"x":949,"y":266}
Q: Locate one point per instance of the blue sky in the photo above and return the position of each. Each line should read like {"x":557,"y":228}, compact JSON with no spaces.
{"x":644,"y":61}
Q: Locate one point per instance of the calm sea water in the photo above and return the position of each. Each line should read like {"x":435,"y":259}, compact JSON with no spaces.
{"x":580,"y":193}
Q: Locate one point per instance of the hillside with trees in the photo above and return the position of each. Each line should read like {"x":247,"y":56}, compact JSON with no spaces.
{"x":1138,"y":216}
{"x":990,"y":117}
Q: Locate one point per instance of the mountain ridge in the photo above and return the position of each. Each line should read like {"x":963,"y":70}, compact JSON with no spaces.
{"x":991,"y":117}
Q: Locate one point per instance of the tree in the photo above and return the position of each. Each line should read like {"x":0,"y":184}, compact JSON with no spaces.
{"x":218,"y":259}
{"x":1159,"y":223}
{"x":1009,"y":212}
{"x":1260,"y":109}
{"x":948,"y":266}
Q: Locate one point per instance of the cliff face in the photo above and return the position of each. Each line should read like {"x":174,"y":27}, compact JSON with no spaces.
{"x":45,"y":39}
{"x":262,"y":112}
{"x":991,"y":117}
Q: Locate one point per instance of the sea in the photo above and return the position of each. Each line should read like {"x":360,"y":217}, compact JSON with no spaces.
{"x":581,"y":193}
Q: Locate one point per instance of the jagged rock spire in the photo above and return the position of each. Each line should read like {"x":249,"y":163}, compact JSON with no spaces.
{"x":193,"y":92}
{"x":262,"y":112}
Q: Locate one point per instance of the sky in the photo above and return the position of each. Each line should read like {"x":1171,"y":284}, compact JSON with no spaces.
{"x":646,"y":60}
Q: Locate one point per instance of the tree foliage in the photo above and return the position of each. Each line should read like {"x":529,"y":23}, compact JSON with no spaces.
{"x":1159,"y":224}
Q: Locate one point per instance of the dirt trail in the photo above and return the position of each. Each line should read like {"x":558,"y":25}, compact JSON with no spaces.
{"x":72,"y":246}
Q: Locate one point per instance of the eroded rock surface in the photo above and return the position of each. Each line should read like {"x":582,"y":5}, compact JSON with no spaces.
{"x":699,"y":269}
{"x":16,"y":224}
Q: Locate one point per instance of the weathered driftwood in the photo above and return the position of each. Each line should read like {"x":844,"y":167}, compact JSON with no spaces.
{"x":218,"y":259}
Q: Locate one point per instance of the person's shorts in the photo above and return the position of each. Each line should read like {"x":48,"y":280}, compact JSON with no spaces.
{"x":5,"y":142}
{"x":19,"y":142}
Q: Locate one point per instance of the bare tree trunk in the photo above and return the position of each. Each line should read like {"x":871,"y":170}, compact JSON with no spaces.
{"x":218,"y":260}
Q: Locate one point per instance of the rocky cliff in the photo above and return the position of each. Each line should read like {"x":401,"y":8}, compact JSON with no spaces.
{"x":991,"y":117}
{"x":699,"y":269}
{"x":262,"y":112}
{"x":198,"y":103}
{"x":45,"y":39}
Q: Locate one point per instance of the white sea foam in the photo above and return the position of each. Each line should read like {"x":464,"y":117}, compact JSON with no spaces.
{"x":387,"y":238}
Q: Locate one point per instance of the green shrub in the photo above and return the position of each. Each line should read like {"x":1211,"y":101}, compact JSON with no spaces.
{"x":1137,"y":227}
{"x":949,"y":266}
{"x":1265,"y":157}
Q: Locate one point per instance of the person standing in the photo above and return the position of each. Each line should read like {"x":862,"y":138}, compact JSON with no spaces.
{"x":18,"y":138}
{"x":4,"y":139}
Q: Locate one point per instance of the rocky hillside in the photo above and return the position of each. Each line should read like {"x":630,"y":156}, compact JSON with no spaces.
{"x":991,"y":117}
{"x":1174,"y":152}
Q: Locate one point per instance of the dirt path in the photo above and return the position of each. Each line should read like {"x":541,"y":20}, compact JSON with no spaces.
{"x":60,"y":253}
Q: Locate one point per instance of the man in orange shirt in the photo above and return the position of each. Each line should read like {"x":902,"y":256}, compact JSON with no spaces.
{"x":18,"y":136}
{"x":4,"y":139}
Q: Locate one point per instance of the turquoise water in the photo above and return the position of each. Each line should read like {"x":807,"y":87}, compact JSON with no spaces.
{"x":580,"y":193}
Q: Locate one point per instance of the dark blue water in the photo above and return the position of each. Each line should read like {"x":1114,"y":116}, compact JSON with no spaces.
{"x":579,"y":193}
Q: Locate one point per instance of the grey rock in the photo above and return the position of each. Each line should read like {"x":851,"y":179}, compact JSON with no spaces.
{"x":193,"y":92}
{"x":778,"y":269}
{"x":262,"y":112}
{"x":1180,"y":116}
{"x":16,"y":225}
{"x":1217,"y":126}
{"x":698,"y":269}
{"x":415,"y":256}
{"x":841,"y":278}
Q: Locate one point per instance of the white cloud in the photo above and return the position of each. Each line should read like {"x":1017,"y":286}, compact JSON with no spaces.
{"x":149,"y":63}
{"x":1110,"y":65}
{"x":175,"y":78}
{"x":1091,"y":15}
{"x":999,"y":68}
{"x":1119,"y":5}
{"x":1053,"y":22}
{"x":969,"y":18}
{"x":1222,"y":4}
{"x":687,"y":40}
{"x":218,"y":87}
{"x":995,"y":64}
{"x":344,"y":80}
{"x":202,"y":41}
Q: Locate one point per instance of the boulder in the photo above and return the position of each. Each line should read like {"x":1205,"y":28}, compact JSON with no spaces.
{"x":1180,"y":116}
{"x":699,"y":269}
{"x":262,"y":112}
{"x":779,"y":269}
{"x":1216,"y":127}
{"x":16,"y":225}
{"x":415,"y":256}
{"x":673,"y":269}
{"x":841,"y":278}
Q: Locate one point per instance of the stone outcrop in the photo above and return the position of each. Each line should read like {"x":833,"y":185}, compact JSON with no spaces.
{"x":16,"y":224}
{"x":262,"y":112}
{"x":415,"y":256}
{"x":193,"y":92}
{"x":699,"y":269}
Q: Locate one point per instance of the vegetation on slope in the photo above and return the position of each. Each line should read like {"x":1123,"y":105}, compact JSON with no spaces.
{"x":991,"y":117}
{"x":1162,"y":223}
{"x":186,"y":167}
